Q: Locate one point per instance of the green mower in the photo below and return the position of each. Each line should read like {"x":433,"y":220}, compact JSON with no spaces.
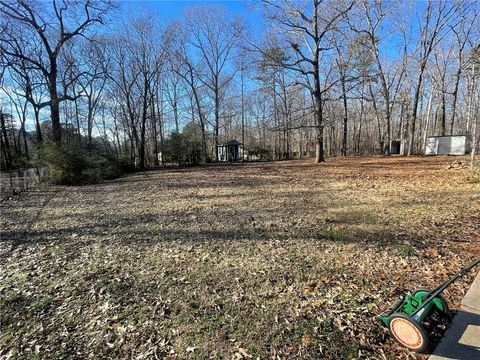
{"x":405,"y":319}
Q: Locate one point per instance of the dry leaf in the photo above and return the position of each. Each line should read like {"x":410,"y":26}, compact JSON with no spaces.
{"x":244,"y":353}
{"x":307,"y":340}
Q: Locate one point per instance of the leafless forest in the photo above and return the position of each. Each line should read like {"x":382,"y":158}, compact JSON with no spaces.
{"x":319,"y":78}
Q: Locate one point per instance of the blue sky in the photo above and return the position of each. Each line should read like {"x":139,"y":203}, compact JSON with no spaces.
{"x":169,"y":11}
{"x":250,"y":11}
{"x":172,"y":10}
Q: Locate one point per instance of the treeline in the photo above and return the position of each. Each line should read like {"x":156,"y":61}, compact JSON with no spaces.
{"x":321,"y":78}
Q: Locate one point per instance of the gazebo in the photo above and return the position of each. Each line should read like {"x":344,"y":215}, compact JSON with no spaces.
{"x":231,"y":151}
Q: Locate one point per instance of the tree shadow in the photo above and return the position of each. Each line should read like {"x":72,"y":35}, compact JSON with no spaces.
{"x":238,"y":210}
{"x":148,"y":229}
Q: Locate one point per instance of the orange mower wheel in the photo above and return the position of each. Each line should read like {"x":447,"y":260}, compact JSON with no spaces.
{"x":408,"y":332}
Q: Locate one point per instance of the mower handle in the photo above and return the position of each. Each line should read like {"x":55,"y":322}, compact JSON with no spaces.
{"x":469,"y":267}
{"x":437,"y":291}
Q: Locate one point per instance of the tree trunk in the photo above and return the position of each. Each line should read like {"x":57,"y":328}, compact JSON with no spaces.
{"x":77,"y":118}
{"x":54,"y":102}
{"x":217,"y":119}
{"x":142,"y":128}
{"x":444,"y":115}
{"x":175,"y":108}
{"x":5,"y":142}
{"x":429,"y":110}
{"x":389,"y":127}
{"x":474,"y":142}
{"x":243,"y":115}
{"x":154,"y":128}
{"x":90,"y":121}
{"x":175,"y":114}
{"x":23,"y":131}
{"x":318,"y":114}
{"x":345,"y":117}
{"x":38,"y":129}
{"x":381,"y":141}
{"x":200,"y":116}
{"x":455,"y":96}
{"x":411,"y":124}
{"x":470,"y":98}
{"x":319,"y":151}
{"x":25,"y":144}
{"x":362,"y":111}
{"x":276,"y":140}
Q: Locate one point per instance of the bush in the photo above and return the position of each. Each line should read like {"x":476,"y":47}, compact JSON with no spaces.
{"x":184,"y":148}
{"x":260,"y":153}
{"x":72,"y":165}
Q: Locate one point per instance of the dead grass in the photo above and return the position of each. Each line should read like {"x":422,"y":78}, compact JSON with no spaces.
{"x":269,"y":260}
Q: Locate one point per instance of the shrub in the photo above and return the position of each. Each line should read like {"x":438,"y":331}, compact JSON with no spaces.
{"x":71,"y":164}
{"x":260,"y":153}
{"x":184,"y":148}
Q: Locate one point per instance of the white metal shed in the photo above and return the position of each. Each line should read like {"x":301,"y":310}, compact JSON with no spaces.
{"x":446,"y":145}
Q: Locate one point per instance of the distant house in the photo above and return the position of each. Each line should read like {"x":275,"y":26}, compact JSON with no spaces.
{"x":231,"y":151}
{"x":446,"y":145}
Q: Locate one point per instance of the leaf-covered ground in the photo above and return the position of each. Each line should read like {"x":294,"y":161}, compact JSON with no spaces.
{"x":268,"y":260}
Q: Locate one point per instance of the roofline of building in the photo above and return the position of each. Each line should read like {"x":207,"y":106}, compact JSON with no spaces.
{"x":439,"y":136}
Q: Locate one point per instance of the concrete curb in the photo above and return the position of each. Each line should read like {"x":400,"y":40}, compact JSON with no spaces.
{"x":462,"y":339}
{"x":472,"y":298}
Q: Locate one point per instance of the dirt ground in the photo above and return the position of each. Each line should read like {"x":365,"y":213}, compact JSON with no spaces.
{"x":266,"y":260}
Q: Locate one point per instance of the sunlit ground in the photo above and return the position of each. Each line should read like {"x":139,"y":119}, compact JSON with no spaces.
{"x":287,"y":259}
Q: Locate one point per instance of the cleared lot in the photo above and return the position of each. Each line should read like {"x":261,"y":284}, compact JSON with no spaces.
{"x":275,"y":260}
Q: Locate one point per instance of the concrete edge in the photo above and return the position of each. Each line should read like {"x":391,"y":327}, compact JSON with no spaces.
{"x":460,"y":341}
{"x":472,"y":297}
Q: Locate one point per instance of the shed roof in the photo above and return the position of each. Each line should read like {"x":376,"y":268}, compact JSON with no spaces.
{"x":446,"y":136}
{"x":232,"y":143}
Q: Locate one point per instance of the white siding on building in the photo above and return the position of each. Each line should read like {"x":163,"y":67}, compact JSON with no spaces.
{"x":446,"y":145}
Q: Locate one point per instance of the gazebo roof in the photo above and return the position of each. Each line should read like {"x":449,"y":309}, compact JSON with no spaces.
{"x":233,"y":143}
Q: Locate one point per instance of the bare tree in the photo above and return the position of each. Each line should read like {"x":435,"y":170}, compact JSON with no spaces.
{"x":172,"y":91}
{"x":215,"y":36}
{"x":328,"y":76}
{"x":185,"y":66}
{"x":368,"y":23}
{"x":92,"y":81}
{"x":440,"y":77}
{"x":149,"y":55}
{"x":434,"y":25}
{"x":307,"y":29}
{"x":464,"y":32}
{"x":20,"y":103}
{"x":48,"y":31}
{"x":473,"y":98}
{"x":28,"y":84}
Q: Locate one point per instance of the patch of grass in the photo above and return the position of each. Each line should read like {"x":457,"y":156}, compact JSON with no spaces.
{"x":42,"y":304}
{"x":473,"y":180}
{"x":405,"y":250}
{"x":336,"y":234}
{"x":20,"y":278}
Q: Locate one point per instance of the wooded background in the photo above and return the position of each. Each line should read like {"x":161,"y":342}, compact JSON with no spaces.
{"x":322,"y":78}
